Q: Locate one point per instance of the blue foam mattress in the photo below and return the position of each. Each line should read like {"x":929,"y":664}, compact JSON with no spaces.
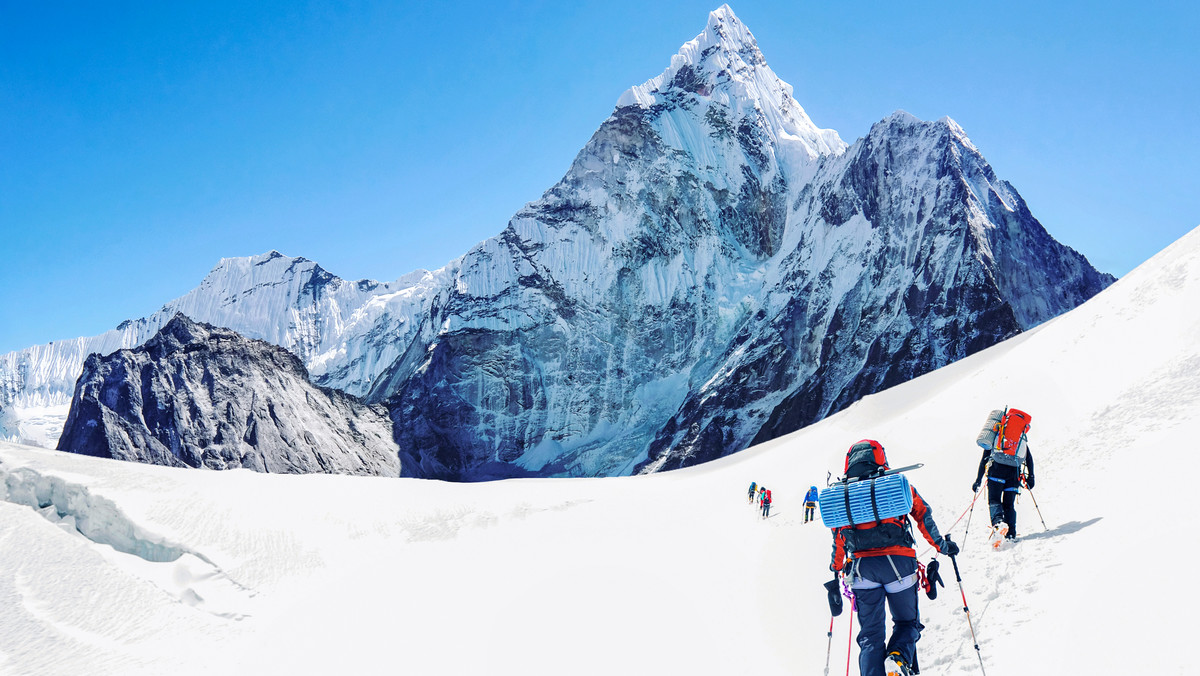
{"x":893,"y":497}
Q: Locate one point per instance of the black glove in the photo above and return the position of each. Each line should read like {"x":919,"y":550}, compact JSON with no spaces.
{"x":933,"y":579}
{"x":835,"y":597}
{"x":949,"y":547}
{"x":1029,"y":481}
{"x":975,"y":487}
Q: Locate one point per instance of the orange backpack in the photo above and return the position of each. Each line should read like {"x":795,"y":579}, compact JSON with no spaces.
{"x":1010,"y":438}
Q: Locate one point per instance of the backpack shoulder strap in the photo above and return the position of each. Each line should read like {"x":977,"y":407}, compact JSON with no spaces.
{"x":846,"y":497}
{"x":874,"y":503}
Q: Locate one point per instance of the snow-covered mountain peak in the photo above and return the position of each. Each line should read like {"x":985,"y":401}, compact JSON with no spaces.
{"x":903,"y":119}
{"x":269,"y":265}
{"x":723,"y":65}
{"x":726,"y":31}
{"x":943,"y":144}
{"x":712,"y":270}
{"x":957,"y":133}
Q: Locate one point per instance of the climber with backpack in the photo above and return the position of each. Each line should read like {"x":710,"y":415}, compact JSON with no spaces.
{"x":753,"y":490}
{"x":766,"y":504}
{"x":1005,"y":452}
{"x":810,"y":504}
{"x":877,"y":559}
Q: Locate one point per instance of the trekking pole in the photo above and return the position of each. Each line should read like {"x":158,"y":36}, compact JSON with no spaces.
{"x":853,"y":607}
{"x":957,"y":576}
{"x":982,"y":487}
{"x":970,"y":516}
{"x":1039,"y":509}
{"x":829,"y":648}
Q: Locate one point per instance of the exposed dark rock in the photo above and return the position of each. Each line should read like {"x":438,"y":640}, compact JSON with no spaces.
{"x":200,"y":396}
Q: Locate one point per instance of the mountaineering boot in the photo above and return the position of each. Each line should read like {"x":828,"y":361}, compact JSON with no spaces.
{"x":999,"y":533}
{"x":894,"y":666}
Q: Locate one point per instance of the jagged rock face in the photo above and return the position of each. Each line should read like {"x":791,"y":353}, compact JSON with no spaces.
{"x":715,"y":271}
{"x":570,"y":338}
{"x":200,"y":396}
{"x":911,"y":255}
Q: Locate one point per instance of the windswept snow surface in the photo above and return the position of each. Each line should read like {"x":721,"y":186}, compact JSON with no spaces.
{"x":121,"y":568}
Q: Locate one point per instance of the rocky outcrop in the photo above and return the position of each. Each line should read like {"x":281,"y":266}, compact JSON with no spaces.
{"x":200,"y":396}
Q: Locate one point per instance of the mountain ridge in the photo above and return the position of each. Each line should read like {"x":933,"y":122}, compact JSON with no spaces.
{"x":704,"y":276}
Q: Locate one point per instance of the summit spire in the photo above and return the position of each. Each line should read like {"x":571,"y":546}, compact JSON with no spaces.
{"x":723,"y":65}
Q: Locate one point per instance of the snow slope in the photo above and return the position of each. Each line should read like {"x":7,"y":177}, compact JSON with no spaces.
{"x":667,"y":573}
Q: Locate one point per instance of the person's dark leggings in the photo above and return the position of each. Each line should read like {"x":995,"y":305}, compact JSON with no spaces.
{"x":901,"y":597}
{"x":1003,"y":482}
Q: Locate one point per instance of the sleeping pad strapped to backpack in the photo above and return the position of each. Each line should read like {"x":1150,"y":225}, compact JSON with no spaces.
{"x":884,"y":523}
{"x":858,"y":502}
{"x":861,"y":498}
{"x":1004,"y":435}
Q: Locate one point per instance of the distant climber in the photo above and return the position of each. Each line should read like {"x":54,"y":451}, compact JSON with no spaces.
{"x":753,"y":490}
{"x":878,"y":561}
{"x":766,"y":504}
{"x":810,"y":504}
{"x":1002,"y":462}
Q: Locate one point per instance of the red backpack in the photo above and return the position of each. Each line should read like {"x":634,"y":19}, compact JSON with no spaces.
{"x":1010,"y":437}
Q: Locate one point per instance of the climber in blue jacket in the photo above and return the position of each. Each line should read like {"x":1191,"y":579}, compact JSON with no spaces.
{"x":810,"y":504}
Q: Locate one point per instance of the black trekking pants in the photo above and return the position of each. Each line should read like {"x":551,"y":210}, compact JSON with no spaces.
{"x":876,"y":583}
{"x":1003,"y":483}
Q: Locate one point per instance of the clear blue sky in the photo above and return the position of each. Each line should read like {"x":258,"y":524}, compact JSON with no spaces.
{"x":142,"y":142}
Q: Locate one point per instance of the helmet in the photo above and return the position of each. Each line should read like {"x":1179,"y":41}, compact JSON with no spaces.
{"x":865,"y":457}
